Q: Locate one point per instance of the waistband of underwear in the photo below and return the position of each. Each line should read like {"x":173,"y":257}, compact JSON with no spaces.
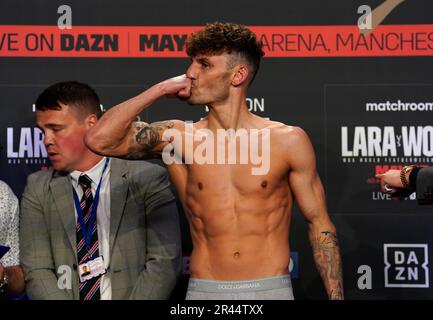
{"x":268,"y":283}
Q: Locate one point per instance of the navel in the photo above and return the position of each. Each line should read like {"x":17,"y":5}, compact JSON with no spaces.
{"x":237,"y":255}
{"x":200,"y":186}
{"x":264,"y":184}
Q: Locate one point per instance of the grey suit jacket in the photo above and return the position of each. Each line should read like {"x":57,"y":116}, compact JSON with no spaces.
{"x":145,"y":244}
{"x":424,"y":186}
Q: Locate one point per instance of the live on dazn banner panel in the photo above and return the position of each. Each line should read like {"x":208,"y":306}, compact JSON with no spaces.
{"x":169,"y":41}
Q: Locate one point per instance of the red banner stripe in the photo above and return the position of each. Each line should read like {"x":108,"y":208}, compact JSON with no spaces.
{"x":169,"y":41}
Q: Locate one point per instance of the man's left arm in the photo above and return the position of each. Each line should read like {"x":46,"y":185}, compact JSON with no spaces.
{"x":163,"y":242}
{"x":11,"y":267}
{"x":308,"y":191}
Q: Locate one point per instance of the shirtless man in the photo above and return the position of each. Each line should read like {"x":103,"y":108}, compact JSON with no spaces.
{"x":239,"y":221}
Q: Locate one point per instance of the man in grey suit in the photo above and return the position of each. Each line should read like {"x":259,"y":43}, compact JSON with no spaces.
{"x":121,"y":240}
{"x":401,"y":183}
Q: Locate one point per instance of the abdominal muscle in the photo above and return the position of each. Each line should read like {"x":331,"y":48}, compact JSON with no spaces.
{"x":239,"y":239}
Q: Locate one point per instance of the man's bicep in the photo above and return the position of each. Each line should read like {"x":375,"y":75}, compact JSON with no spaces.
{"x":145,"y":141}
{"x":303,"y":177}
{"x":309,"y":194}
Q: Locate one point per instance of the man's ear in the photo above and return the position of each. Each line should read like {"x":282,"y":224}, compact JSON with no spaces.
{"x":241,"y":75}
{"x":91,"y":120}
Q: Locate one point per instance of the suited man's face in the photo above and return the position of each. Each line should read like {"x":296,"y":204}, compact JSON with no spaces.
{"x":64,"y":137}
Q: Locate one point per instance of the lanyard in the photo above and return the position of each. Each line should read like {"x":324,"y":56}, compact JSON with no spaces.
{"x":87,"y":233}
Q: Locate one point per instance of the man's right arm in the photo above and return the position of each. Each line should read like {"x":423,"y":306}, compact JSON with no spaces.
{"x":35,"y":248}
{"x":116,"y":134}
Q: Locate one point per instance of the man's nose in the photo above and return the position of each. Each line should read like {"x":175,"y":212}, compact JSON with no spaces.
{"x":48,"y":139}
{"x":191,"y":73}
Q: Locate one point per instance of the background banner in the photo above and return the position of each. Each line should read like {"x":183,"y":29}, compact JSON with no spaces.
{"x":364,"y":98}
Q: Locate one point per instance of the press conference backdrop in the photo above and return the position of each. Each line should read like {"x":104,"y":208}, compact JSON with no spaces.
{"x":366,"y":102}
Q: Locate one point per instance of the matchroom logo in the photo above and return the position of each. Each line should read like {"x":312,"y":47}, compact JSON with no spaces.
{"x":406,"y":265}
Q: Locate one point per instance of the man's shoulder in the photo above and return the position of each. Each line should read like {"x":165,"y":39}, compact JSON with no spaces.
{"x":38,"y":183}
{"x":142,"y":168}
{"x":285,"y":131}
{"x":152,"y":164}
{"x":4,"y":188}
{"x":145,"y":175}
{"x":6,"y":191}
{"x":290,"y":137}
{"x":41,"y":177}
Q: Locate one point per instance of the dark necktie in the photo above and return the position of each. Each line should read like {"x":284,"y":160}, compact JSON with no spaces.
{"x":89,"y":290}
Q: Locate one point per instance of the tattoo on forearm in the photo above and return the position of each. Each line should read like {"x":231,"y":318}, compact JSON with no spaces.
{"x":328,"y":261}
{"x":148,"y":137}
{"x":337,"y":293}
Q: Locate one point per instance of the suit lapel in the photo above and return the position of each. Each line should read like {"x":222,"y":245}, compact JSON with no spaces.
{"x":118,"y":194}
{"x":61,"y":189}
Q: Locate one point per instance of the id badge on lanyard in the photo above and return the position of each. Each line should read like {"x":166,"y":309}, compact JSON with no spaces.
{"x":91,"y":267}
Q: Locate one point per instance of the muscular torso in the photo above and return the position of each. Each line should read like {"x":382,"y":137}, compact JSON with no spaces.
{"x":239,"y":222}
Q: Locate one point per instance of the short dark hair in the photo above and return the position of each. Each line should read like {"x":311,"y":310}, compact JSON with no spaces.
{"x":225,"y":37}
{"x":79,"y":96}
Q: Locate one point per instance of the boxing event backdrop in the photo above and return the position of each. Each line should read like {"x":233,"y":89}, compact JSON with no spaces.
{"x":365,"y":100}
